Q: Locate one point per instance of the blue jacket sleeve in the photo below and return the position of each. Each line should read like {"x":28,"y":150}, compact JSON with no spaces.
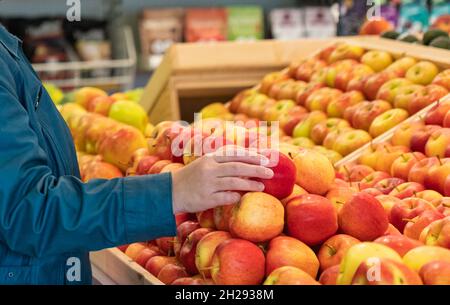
{"x":41,"y":214}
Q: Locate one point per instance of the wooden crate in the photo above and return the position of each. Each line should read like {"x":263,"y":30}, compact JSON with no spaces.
{"x":194,"y":75}
{"x":112,"y":266}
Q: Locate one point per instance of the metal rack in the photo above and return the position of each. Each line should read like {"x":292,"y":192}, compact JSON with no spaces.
{"x":122,"y":66}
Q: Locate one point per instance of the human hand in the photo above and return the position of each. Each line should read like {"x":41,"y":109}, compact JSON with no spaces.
{"x":215,"y":180}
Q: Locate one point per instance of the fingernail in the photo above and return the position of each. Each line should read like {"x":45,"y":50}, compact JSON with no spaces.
{"x":265,"y":161}
{"x":261,"y":187}
{"x":268,"y":172}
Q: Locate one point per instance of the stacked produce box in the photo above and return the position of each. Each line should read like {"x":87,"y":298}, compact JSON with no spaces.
{"x":313,"y":224}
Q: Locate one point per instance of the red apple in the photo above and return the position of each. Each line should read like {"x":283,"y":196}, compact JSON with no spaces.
{"x":145,"y":255}
{"x":425,"y":97}
{"x":363,"y":217}
{"x":170,"y":272}
{"x":415,"y":226}
{"x":165,"y":245}
{"x":183,"y":230}
{"x":189,"y":249}
{"x":238,"y":262}
{"x":372,"y":179}
{"x":289,"y":251}
{"x":419,"y":171}
{"x":437,"y":114}
{"x":437,"y":233}
{"x":311,"y":219}
{"x":156,"y":263}
{"x":205,"y":251}
{"x":400,"y":243}
{"x":329,"y":276}
{"x":421,"y":136}
{"x":158,"y":166}
{"x":375,"y":81}
{"x":406,"y":190}
{"x":283,"y":180}
{"x":436,"y":273}
{"x":333,"y":250}
{"x":288,"y":275}
{"x":408,"y":209}
{"x":385,"y":186}
{"x":401,"y":167}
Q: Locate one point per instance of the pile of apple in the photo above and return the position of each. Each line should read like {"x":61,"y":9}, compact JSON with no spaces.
{"x":343,"y":97}
{"x":307,"y":227}
{"x":107,"y":130}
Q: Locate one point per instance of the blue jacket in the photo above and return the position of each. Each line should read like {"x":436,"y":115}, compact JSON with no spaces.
{"x":49,"y":219}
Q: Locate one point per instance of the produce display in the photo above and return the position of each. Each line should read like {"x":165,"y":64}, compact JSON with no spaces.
{"x":313,"y":224}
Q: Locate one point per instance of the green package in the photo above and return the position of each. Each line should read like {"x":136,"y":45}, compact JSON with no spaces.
{"x":245,"y":22}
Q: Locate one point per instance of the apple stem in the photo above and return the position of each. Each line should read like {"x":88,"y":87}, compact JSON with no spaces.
{"x":440,"y":161}
{"x":332,"y":249}
{"x":403,"y":157}
{"x":348,"y":172}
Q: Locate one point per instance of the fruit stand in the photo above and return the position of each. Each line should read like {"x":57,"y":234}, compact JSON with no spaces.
{"x":370,"y":183}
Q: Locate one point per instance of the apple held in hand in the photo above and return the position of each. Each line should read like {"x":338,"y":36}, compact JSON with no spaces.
{"x":384,"y":271}
{"x":363,"y":217}
{"x":311,"y":219}
{"x":422,"y":72}
{"x":359,"y":253}
{"x":257,"y":217}
{"x":283,"y":180}
{"x":386,"y":121}
{"x":289,"y":275}
{"x":400,"y":243}
{"x":334,"y":249}
{"x":237,"y":262}
{"x":289,"y":251}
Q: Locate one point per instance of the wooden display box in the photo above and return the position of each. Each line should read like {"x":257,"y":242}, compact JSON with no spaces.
{"x":190,"y":78}
{"x":194,"y":75}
